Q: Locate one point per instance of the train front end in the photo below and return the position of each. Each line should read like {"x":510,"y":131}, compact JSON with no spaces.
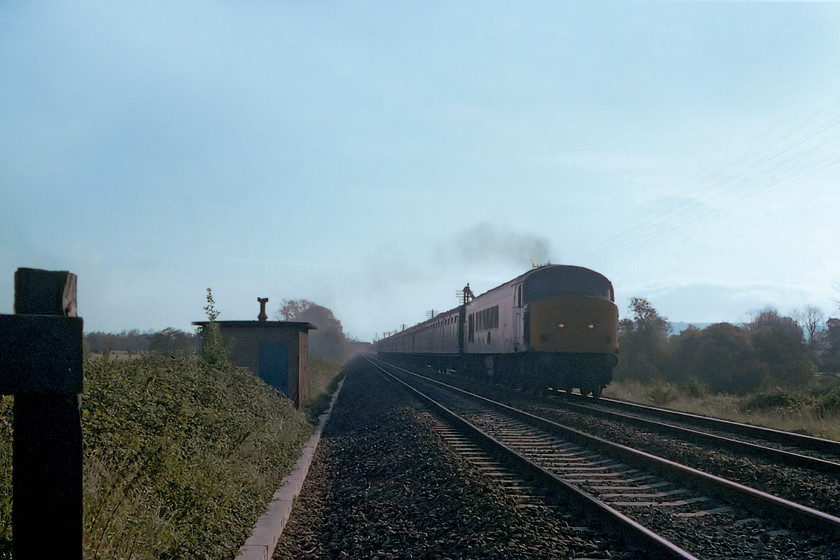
{"x":571,"y":328}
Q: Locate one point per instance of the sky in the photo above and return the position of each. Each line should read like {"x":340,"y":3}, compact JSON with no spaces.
{"x":375,"y":156}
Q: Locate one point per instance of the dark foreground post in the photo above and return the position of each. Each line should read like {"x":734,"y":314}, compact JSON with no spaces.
{"x":41,"y":365}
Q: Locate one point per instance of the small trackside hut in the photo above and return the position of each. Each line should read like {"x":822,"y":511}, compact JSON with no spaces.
{"x":276,"y":351}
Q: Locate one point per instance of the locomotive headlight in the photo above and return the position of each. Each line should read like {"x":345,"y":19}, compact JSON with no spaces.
{"x":561,"y":325}
{"x":590,"y":326}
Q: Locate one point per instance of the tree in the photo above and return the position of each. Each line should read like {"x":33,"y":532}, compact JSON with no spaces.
{"x":172,"y":342}
{"x":830,"y":358}
{"x":126,"y":341}
{"x":642,"y":342}
{"x":645,"y":320}
{"x":720,"y":357}
{"x":810,"y":319}
{"x":779,"y":344}
{"x":290,"y":309}
{"x":329,"y":339}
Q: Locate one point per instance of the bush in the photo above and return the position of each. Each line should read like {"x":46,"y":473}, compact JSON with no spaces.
{"x":6,"y":404}
{"x":322,"y":378}
{"x":695,"y":388}
{"x":661,"y":394}
{"x":829,"y":403}
{"x":777,"y":401}
{"x":180,"y":458}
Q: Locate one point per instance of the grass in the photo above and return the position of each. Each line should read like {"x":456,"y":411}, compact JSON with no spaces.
{"x":6,"y":407}
{"x":181,"y":458}
{"x":323,"y":377}
{"x":814,"y":410}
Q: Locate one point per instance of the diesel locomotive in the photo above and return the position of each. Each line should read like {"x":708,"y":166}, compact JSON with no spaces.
{"x":554,"y":326}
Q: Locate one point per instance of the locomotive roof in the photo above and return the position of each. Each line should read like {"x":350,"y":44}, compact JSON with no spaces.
{"x":545,"y":269}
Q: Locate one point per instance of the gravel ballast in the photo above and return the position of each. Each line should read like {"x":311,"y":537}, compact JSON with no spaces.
{"x":384,"y":485}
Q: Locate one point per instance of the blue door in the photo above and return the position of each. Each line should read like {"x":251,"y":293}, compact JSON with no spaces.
{"x":274,"y":365}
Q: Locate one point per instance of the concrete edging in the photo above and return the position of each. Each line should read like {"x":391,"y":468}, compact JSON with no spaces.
{"x":263,"y":540}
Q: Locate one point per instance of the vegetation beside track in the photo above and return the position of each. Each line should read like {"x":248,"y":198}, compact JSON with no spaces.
{"x":763,"y":372}
{"x":6,"y":404}
{"x":181,"y":458}
{"x":814,"y":409}
{"x":322,"y":379}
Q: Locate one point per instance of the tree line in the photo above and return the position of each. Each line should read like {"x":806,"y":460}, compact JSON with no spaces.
{"x":168,"y":342}
{"x":771,"y":350}
{"x":328,"y":340}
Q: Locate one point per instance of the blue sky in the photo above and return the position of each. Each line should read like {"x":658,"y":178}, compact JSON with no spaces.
{"x":376,"y":156}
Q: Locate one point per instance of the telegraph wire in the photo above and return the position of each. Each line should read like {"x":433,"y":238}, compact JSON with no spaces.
{"x":723,"y":187}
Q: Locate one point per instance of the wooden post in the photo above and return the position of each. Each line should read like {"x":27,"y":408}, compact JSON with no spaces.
{"x":41,"y":364}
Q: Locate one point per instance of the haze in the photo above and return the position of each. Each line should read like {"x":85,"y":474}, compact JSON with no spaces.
{"x":374,"y":157}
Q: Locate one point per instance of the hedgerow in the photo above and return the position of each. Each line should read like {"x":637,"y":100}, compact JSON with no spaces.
{"x":181,"y":458}
{"x":6,"y":406}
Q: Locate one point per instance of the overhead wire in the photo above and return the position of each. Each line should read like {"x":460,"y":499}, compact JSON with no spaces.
{"x":721,"y":188}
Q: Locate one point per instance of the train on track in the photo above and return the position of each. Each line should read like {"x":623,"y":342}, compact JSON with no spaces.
{"x":554,"y":326}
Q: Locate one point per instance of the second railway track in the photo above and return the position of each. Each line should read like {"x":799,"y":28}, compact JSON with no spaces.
{"x":676,"y":511}
{"x":807,"y":476}
{"x":800,"y":450}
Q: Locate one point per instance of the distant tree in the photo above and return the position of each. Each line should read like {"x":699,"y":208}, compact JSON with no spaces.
{"x":810,"y":318}
{"x":830,"y":357}
{"x":132,"y":341}
{"x":770,"y":317}
{"x":645,"y":319}
{"x":642,"y":342}
{"x":720,"y":357}
{"x":98,"y":342}
{"x":329,"y":339}
{"x":779,"y":344}
{"x":172,"y":342}
{"x":292,"y":308}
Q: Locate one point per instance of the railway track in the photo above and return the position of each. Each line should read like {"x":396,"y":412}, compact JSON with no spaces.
{"x":798,"y":473}
{"x":668,"y":509}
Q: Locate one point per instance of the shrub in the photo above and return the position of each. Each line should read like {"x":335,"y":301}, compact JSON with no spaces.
{"x":6,"y":404}
{"x":212,"y":344}
{"x":829,"y":403}
{"x":776,"y":401}
{"x":661,"y":394}
{"x":181,"y":458}
{"x":695,"y":388}
{"x":322,"y":377}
